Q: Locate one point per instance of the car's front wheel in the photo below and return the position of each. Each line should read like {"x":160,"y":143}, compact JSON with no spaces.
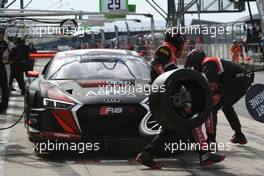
{"x":148,"y":127}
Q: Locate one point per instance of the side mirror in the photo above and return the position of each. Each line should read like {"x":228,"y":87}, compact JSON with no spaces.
{"x":32,"y":74}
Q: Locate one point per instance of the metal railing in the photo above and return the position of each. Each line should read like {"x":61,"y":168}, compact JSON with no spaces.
{"x":250,"y":52}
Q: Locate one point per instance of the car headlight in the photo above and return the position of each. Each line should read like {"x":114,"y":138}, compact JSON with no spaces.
{"x":51,"y":103}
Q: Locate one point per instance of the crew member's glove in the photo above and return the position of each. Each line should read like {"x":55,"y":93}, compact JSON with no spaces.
{"x":216,"y":98}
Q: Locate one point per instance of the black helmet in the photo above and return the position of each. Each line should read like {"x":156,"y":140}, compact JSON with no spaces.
{"x":194,"y":59}
{"x":176,"y":39}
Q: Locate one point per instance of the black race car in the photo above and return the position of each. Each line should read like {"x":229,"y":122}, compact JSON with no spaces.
{"x":90,"y":94}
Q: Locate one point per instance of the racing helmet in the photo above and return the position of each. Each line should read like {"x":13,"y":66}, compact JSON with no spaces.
{"x":176,"y":39}
{"x":195,"y":59}
{"x":234,"y":41}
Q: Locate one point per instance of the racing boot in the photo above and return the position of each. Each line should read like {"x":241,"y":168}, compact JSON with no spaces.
{"x":208,"y":158}
{"x":239,"y":138}
{"x":146,"y":159}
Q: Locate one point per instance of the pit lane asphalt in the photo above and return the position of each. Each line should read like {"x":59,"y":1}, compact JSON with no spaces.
{"x":18,"y":158}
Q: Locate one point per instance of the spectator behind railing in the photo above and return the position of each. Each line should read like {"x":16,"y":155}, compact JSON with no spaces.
{"x":236,"y":52}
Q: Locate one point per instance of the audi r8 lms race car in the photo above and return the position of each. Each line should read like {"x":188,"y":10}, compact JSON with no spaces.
{"x":90,"y":94}
{"x":131,"y":87}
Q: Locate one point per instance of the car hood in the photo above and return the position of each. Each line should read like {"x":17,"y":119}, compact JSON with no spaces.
{"x":104,"y":91}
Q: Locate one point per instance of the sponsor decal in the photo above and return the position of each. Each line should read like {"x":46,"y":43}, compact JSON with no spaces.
{"x":54,"y":135}
{"x":103,"y":83}
{"x":108,"y":110}
{"x":109,"y":92}
{"x":121,"y":83}
{"x":255,"y":102}
{"x":112,"y":100}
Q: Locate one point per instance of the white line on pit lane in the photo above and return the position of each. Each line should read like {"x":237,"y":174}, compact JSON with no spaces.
{"x":117,"y":161}
{"x":5,"y":136}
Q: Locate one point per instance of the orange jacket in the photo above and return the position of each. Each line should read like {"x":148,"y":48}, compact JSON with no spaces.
{"x":236,"y":51}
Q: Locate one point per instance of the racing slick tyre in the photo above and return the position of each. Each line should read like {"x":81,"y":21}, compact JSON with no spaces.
{"x":148,"y":127}
{"x":183,"y":99}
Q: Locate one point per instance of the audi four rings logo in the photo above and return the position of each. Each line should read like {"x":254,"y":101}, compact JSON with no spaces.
{"x":112,"y":100}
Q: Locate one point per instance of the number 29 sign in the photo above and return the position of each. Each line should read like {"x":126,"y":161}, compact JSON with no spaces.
{"x":112,"y":6}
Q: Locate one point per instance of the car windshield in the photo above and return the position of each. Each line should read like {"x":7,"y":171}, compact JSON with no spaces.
{"x":99,"y":67}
